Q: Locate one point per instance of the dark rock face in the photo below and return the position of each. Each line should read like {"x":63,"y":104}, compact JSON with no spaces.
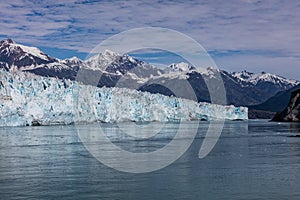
{"x":292,"y":112}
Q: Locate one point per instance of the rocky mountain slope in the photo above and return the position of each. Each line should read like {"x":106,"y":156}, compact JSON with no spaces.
{"x":276,"y":103}
{"x":292,"y":112}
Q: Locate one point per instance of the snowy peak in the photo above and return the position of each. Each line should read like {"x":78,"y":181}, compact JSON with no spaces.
{"x":110,"y":55}
{"x":74,"y":61}
{"x":248,"y":77}
{"x":117,"y":64}
{"x":181,"y":67}
{"x":244,"y":75}
{"x":102,"y":60}
{"x":10,"y":47}
{"x":185,"y":68}
{"x":7,"y":41}
{"x":19,"y":56}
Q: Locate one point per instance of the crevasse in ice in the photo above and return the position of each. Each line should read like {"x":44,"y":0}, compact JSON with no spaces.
{"x":26,"y":99}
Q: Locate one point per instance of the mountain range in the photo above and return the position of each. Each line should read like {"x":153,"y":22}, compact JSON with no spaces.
{"x":112,"y":69}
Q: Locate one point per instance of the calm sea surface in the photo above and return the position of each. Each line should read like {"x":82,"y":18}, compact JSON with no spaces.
{"x":251,"y":160}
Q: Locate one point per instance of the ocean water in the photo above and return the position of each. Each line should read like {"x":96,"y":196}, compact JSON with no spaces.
{"x":251,"y":160}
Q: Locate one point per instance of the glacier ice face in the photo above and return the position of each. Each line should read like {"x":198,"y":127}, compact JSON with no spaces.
{"x":26,"y":99}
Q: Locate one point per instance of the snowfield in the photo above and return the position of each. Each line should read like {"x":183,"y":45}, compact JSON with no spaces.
{"x":27,"y":99}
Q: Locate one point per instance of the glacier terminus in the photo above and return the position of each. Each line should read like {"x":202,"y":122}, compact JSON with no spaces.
{"x":28,"y":99}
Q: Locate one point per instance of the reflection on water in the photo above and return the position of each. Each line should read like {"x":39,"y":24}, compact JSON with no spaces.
{"x":295,"y":128}
{"x":252,"y":160}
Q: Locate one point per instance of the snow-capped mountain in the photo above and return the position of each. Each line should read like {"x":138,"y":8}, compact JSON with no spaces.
{"x":15,"y":56}
{"x":74,"y":61}
{"x":238,"y":91}
{"x":247,"y":77}
{"x":242,"y":88}
{"x":181,"y":67}
{"x":102,"y":60}
{"x":117,"y":64}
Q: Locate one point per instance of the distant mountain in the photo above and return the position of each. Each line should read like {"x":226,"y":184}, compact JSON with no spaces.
{"x":111,"y":69}
{"x":181,"y":67}
{"x":239,"y":91}
{"x":117,"y":64}
{"x":246,"y":78}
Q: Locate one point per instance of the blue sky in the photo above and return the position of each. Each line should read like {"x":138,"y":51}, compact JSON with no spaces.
{"x":239,"y":34}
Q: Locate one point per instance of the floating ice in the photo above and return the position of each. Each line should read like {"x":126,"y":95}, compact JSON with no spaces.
{"x":27,"y":99}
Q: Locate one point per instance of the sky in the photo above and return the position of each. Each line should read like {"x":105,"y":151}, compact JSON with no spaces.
{"x":250,"y":35}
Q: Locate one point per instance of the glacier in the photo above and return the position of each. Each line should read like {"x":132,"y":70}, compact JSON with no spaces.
{"x":27,"y":99}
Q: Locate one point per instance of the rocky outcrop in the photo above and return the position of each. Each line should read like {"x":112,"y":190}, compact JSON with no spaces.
{"x":292,"y":112}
